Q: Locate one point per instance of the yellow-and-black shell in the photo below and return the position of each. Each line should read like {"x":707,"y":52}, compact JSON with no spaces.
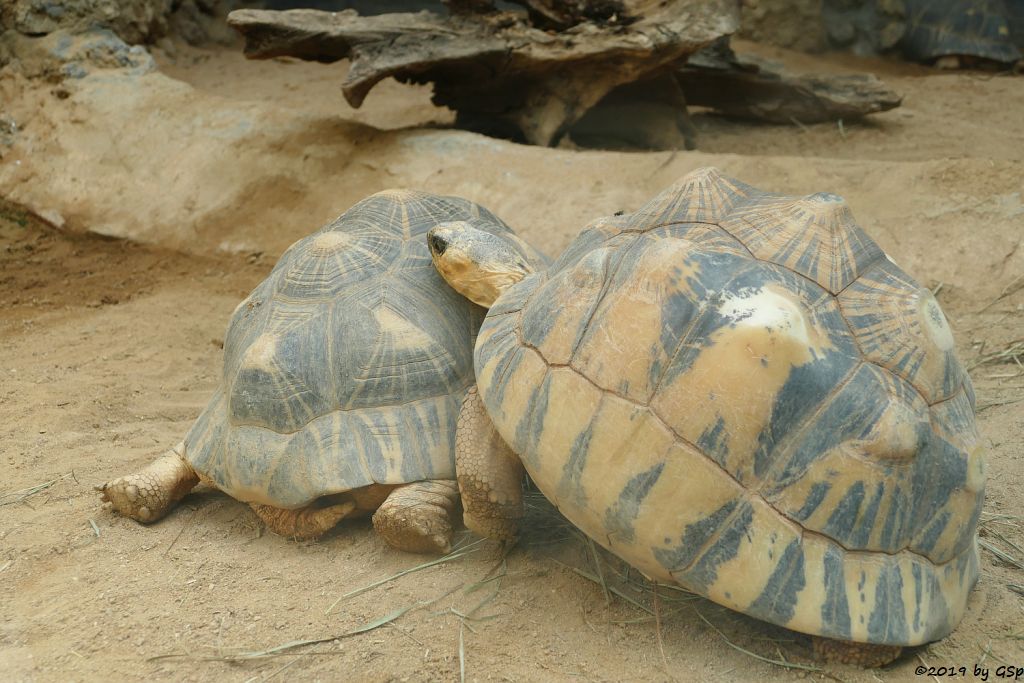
{"x":740,"y":392}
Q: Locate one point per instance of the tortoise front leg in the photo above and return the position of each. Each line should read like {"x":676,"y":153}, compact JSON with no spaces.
{"x":489,"y":473}
{"x":149,"y":494}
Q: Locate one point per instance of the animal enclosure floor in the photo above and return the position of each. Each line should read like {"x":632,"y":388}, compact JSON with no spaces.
{"x":109,"y":349}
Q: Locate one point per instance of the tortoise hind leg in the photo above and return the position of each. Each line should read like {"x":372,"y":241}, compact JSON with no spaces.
{"x":303,"y":523}
{"x":149,"y":494}
{"x":417,"y":517}
{"x":866,"y":655}
{"x":490,"y":474}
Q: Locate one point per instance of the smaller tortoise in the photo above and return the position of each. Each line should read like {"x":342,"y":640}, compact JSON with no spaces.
{"x":738,"y":392}
{"x":343,"y":375}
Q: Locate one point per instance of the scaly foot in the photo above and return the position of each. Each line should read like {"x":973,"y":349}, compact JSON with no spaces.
{"x":417,"y":518}
{"x":490,"y":474}
{"x":304,"y":523}
{"x":148,"y":495}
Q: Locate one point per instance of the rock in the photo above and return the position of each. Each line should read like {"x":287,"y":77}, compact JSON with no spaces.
{"x":793,"y":24}
{"x":62,"y":54}
{"x":136,"y":21}
{"x":864,"y":28}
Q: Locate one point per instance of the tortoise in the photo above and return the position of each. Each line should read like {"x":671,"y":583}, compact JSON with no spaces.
{"x":952,"y":31}
{"x":738,"y":392}
{"x":344,"y":371}
{"x":949,"y":33}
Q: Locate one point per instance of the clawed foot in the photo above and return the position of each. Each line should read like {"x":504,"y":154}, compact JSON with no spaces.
{"x":148,"y":495}
{"x":417,"y":518}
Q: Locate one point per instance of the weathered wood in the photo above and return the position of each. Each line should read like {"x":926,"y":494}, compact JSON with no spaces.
{"x":494,"y":69}
{"x":750,"y":88}
{"x":469,"y":6}
{"x":563,"y":14}
{"x":646,"y":114}
{"x":556,"y":15}
{"x":652,"y":112}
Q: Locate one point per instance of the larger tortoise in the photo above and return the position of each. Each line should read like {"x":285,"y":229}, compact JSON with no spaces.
{"x":343,"y":375}
{"x":739,"y":392}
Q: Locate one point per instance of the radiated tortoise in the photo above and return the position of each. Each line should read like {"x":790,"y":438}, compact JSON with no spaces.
{"x":739,"y":392}
{"x":955,"y":30}
{"x":343,"y":375}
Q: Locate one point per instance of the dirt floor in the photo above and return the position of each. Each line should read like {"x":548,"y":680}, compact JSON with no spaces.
{"x":109,"y":348}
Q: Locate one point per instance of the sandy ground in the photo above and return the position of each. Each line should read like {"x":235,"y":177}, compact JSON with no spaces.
{"x":109,"y":348}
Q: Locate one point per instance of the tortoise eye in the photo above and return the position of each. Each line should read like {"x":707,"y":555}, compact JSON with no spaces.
{"x":438,"y":244}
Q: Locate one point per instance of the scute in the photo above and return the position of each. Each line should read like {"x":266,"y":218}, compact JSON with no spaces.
{"x":703,"y":196}
{"x":651,"y":289}
{"x":590,"y":238}
{"x":752,"y":370}
{"x":899,"y":325}
{"x":399,"y":344}
{"x":850,"y":473}
{"x":280,"y":381}
{"x":814,"y":236}
{"x":562,"y":307}
{"x":334,"y":259}
{"x":711,"y":394}
{"x":348,"y":364}
{"x":336,"y":452}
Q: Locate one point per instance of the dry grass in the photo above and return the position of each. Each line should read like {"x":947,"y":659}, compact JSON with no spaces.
{"x":289,"y":648}
{"x":456,"y":553}
{"x":23,"y":495}
{"x":657,"y":629}
{"x":1012,"y":352}
{"x":616,"y":577}
{"x":462,"y":654}
{"x":1000,"y":554}
{"x":1014,"y":286}
{"x":237,"y":654}
{"x":991,"y":526}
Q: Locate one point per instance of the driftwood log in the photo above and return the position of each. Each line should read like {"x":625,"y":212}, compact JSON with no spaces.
{"x":556,"y":14}
{"x":501,"y":74}
{"x":747,"y":87}
{"x":652,"y":113}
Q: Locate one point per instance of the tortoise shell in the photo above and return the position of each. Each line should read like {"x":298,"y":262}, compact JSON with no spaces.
{"x":347,"y":366}
{"x":935,"y":28}
{"x":739,"y":392}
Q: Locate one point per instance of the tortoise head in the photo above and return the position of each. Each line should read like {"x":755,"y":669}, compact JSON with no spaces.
{"x":477,"y":264}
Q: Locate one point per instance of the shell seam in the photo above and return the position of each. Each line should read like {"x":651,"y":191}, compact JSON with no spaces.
{"x":749,"y":492}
